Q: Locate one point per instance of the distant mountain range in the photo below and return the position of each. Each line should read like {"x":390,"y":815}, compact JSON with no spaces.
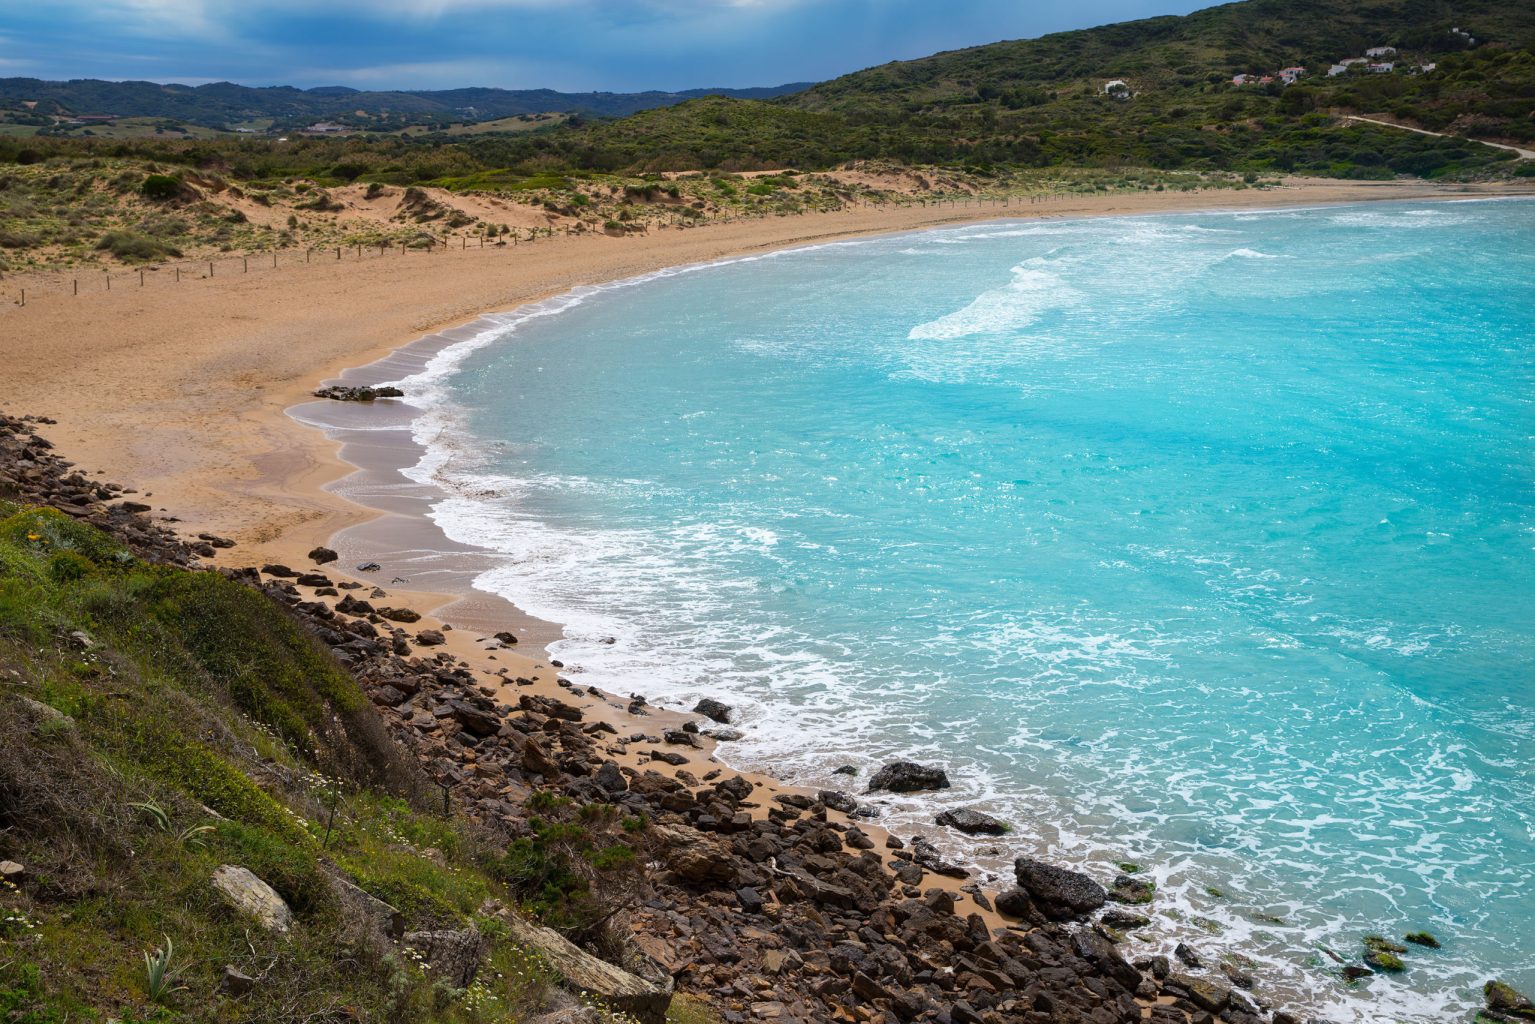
{"x":224,"y":104}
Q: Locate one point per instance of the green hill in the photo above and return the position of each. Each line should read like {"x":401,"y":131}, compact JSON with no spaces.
{"x":1043,"y":102}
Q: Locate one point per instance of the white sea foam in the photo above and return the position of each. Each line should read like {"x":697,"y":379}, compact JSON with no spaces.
{"x":1031,"y":293}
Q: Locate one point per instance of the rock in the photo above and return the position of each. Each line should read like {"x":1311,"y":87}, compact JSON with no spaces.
{"x":642,"y":998}
{"x":972,"y":822}
{"x":368,"y":567}
{"x":233,"y":982}
{"x":679,"y":737}
{"x":724,"y":734}
{"x":1422,"y":939}
{"x":1503,"y":998}
{"x":845,"y":769}
{"x":453,"y":957}
{"x":1207,"y":993}
{"x":1187,"y":955}
{"x":430,"y":638}
{"x":610,"y":778}
{"x":10,"y":871}
{"x":506,"y":638}
{"x":1135,"y":891}
{"x":400,"y":614}
{"x":750,"y":899}
{"x":252,"y":896}
{"x":342,"y":393}
{"x":696,"y":857}
{"x":474,"y":720}
{"x":713,"y":709}
{"x":1124,"y":920}
{"x":1059,"y":893}
{"x":323,"y":556}
{"x":278,"y":570}
{"x":1353,"y":972}
{"x":908,"y":777}
{"x":837,"y":800}
{"x":386,"y":919}
{"x":1014,"y":903}
{"x":47,"y":715}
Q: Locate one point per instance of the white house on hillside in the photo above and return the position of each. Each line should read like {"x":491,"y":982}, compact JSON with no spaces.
{"x":1116,"y":89}
{"x":1380,"y":51}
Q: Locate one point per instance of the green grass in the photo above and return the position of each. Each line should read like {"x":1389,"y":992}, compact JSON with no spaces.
{"x":206,"y":728}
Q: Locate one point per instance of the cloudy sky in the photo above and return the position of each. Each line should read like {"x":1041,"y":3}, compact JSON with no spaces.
{"x":574,"y":45}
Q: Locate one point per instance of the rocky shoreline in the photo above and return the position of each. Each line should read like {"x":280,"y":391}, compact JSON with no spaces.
{"x":771,"y":903}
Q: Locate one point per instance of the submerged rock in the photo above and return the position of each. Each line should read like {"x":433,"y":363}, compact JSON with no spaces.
{"x":908,"y":777}
{"x":1135,"y":891}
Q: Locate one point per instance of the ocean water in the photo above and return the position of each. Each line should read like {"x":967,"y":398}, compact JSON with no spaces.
{"x":1201,"y":541}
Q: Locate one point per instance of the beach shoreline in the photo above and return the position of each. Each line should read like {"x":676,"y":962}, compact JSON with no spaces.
{"x":202,"y":405}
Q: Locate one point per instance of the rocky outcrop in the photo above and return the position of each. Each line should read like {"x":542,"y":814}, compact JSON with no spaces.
{"x":253,"y":897}
{"x":908,"y":777}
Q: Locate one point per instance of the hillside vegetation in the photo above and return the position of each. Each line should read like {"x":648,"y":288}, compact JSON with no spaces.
{"x":1042,"y":102}
{"x":157,"y":724}
{"x":224,"y":105}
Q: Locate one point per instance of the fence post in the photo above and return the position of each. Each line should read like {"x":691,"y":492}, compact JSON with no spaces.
{"x":338,"y":252}
{"x":210,"y":268}
{"x":141,"y":277}
{"x":178,"y":274}
{"x":109,"y":279}
{"x":274,"y":259}
{"x":77,"y":286}
{"x":246,"y":260}
{"x":23,"y":296}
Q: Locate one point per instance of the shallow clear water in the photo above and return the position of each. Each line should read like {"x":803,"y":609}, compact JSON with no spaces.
{"x":1202,"y":541}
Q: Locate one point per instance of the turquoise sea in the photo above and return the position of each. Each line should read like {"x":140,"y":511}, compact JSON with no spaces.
{"x":1201,"y":541}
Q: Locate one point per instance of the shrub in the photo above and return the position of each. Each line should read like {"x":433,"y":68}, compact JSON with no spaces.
{"x":161,"y":187}
{"x":131,"y":245}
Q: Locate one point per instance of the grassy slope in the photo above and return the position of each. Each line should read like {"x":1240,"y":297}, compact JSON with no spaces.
{"x":200,"y":697}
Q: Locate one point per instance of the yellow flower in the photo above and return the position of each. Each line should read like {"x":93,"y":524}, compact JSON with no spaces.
{"x":34,"y":536}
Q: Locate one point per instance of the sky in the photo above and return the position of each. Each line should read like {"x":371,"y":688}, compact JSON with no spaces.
{"x":570,"y":45}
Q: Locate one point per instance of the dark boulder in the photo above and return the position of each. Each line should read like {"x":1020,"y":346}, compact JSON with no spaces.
{"x":713,"y":709}
{"x":908,"y":777}
{"x":973,"y":822}
{"x":323,"y":556}
{"x":838,"y":800}
{"x":1058,"y":892}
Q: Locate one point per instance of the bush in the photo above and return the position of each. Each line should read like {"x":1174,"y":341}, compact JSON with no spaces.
{"x":131,"y":245}
{"x":160,"y":187}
